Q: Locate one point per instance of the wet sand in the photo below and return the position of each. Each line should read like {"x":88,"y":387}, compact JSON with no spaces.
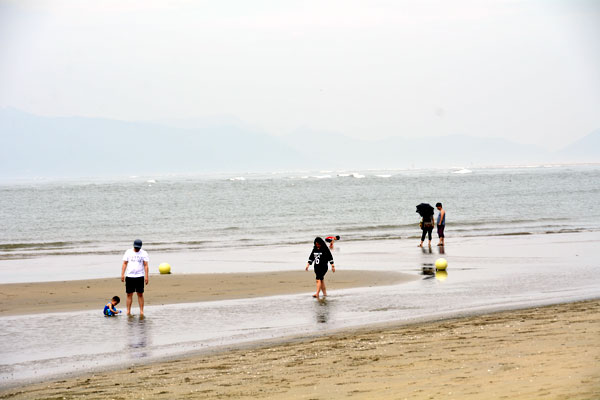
{"x":538,"y":353}
{"x":93,"y":294}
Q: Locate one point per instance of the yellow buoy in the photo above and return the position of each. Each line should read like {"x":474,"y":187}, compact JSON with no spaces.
{"x":164,"y":268}
{"x":441,"y":275}
{"x":441,"y":264}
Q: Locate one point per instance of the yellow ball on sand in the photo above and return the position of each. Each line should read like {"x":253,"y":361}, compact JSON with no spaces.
{"x":441,"y":264}
{"x":164,"y":268}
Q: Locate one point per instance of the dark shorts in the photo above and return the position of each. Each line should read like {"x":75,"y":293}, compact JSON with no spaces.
{"x":320,"y":273}
{"x":441,"y":230}
{"x":134,"y":284}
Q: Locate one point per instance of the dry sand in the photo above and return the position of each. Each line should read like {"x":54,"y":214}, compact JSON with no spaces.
{"x":42,"y":297}
{"x":542,"y":353}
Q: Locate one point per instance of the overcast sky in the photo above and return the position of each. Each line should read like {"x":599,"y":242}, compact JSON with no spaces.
{"x":522,"y":70}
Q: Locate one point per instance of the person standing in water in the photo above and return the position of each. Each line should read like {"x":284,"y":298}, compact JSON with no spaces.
{"x":321,"y":256}
{"x":427,"y":227}
{"x":135,"y":274}
{"x":441,"y":223}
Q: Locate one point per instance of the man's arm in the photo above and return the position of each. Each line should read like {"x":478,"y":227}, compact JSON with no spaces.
{"x":442,"y":215}
{"x":146,"y":271}
{"x":123,"y":271}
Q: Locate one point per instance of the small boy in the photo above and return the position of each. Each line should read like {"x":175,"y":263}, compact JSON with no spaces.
{"x":109,"y":308}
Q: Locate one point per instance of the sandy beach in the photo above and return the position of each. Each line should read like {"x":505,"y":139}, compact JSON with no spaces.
{"x":538,"y":353}
{"x":42,"y":297}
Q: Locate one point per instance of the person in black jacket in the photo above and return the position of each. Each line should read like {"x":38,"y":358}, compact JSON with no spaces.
{"x":321,"y":256}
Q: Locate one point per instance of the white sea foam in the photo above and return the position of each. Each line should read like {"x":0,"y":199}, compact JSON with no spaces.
{"x":462,"y":171}
{"x":237,"y":178}
{"x":151,"y":181}
{"x":383,"y":176}
{"x":357,"y":175}
{"x":322,"y":176}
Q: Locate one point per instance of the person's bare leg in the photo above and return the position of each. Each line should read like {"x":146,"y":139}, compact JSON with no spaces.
{"x":141,"y":302}
{"x":421,"y":245}
{"x":323,"y":288}
{"x":318,"y":289}
{"x":129,"y":301}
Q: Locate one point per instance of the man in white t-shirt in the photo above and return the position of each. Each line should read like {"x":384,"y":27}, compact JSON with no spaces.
{"x":135,"y":274}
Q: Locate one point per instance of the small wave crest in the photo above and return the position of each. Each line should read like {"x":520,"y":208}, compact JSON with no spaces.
{"x":351,"y":175}
{"x":40,"y":245}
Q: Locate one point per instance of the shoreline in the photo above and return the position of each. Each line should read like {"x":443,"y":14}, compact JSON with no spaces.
{"x":539,"y":352}
{"x":93,"y":294}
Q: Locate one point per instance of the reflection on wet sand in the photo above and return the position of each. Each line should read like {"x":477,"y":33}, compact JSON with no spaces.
{"x":431,"y":272}
{"x":428,"y":271}
{"x":322,"y":310}
{"x":441,"y":275}
{"x":428,"y":265}
{"x":138,"y":336}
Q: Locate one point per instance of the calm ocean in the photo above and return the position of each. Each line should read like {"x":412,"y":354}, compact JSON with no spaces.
{"x":194,"y":213}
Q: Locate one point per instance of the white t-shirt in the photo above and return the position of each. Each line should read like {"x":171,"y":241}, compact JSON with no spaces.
{"x":135,"y":262}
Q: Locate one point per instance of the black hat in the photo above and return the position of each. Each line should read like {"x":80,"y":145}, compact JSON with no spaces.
{"x":137,"y":244}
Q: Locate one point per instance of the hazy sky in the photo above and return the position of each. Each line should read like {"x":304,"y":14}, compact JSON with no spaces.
{"x":528,"y":71}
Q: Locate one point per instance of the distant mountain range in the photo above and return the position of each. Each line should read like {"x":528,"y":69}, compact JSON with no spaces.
{"x":36,"y":146}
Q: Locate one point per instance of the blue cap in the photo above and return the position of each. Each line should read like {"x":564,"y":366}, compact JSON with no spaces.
{"x":137,"y":244}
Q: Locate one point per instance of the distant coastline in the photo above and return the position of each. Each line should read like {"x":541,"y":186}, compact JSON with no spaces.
{"x":40,"y":146}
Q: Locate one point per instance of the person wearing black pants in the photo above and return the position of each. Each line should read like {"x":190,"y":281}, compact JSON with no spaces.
{"x":427,"y":226}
